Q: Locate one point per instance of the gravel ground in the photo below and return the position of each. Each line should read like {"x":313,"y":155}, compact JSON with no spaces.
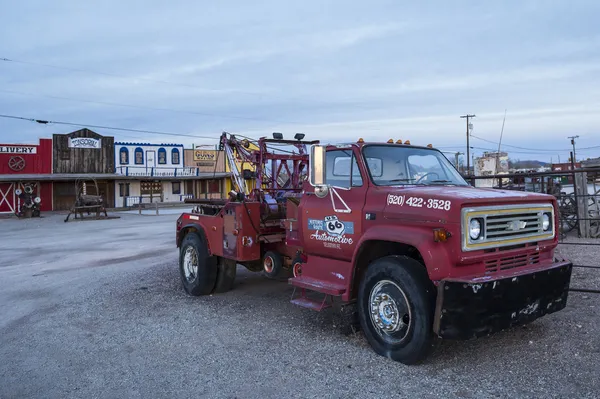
{"x":95,"y":309}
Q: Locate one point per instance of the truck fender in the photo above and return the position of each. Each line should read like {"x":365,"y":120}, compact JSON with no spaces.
{"x":196,"y":228}
{"x":421,"y":238}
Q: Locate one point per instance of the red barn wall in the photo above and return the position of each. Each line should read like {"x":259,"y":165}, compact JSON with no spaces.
{"x":40,"y":162}
{"x":26,"y":159}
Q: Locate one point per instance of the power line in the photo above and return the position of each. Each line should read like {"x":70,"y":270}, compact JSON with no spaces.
{"x":47,"y":122}
{"x":122,"y":129}
{"x":514,"y":146}
{"x":145,"y":107}
{"x":494,"y":150}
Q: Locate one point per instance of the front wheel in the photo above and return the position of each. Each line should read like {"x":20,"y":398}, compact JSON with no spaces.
{"x":395,"y":305}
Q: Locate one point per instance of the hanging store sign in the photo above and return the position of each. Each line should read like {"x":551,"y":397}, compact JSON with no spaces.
{"x":84,"y":142}
{"x":17,"y":149}
{"x":204,"y":155}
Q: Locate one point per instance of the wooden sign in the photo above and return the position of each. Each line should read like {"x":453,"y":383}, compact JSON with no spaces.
{"x":84,"y":142}
{"x":205,"y":155}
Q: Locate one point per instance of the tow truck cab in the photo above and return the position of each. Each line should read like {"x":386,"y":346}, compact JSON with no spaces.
{"x":395,"y":230}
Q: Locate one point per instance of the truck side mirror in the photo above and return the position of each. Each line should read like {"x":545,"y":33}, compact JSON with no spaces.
{"x":317,"y":165}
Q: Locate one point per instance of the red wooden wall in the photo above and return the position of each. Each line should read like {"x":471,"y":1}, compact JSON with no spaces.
{"x":40,"y":162}
{"x":25,"y":161}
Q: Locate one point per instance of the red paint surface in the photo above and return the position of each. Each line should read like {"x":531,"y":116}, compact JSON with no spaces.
{"x":40,"y":162}
{"x":10,"y":202}
{"x":332,"y":262}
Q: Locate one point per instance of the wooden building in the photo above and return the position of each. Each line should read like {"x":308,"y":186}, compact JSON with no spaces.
{"x":24,"y":165}
{"x":83,"y":152}
{"x":211,"y":163}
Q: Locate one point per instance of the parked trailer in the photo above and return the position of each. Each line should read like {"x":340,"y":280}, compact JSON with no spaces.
{"x":389,"y":228}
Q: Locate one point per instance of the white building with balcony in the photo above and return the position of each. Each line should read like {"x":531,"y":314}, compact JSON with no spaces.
{"x":156,"y":173}
{"x":160,"y":169}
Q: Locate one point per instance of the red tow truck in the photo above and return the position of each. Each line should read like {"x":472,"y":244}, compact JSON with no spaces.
{"x":391,"y":229}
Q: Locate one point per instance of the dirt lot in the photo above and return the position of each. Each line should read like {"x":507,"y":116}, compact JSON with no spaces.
{"x":95,"y":309}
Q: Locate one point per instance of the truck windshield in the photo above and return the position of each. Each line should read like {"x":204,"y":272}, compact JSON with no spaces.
{"x":405,"y":165}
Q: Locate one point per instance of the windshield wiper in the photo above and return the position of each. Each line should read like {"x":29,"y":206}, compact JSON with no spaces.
{"x":400,"y":180}
{"x":441,"y":182}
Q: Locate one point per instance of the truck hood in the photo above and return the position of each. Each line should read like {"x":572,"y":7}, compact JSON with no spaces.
{"x":445,"y":202}
{"x":468,"y":194}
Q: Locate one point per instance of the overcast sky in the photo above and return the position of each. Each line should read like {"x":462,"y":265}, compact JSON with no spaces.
{"x":335,"y":70}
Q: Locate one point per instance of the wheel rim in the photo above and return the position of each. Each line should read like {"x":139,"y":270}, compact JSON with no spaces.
{"x":268,"y":264}
{"x":389,"y":310}
{"x":190,"y":264}
{"x":297,"y":270}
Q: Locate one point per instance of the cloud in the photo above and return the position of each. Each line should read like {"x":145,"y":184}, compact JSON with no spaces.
{"x":310,"y":43}
{"x":337,"y":70}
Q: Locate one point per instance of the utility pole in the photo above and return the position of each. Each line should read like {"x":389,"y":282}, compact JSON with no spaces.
{"x":468,"y":130}
{"x":573,"y":142}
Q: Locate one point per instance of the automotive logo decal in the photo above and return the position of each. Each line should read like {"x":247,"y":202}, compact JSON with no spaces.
{"x":332,"y":231}
{"x":516,"y":225}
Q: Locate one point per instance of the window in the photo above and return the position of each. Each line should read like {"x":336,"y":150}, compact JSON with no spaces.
{"x":214,"y":186}
{"x":175,"y":156}
{"x":123,"y":189}
{"x":139,"y":156}
{"x":162,"y":156}
{"x":176,"y":187}
{"x":342,"y":169}
{"x":150,"y":187}
{"x":391,"y":165}
{"x":425,"y":168}
{"x":124,"y":156}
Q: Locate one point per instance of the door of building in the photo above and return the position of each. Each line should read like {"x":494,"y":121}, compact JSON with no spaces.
{"x":151,"y":159}
{"x":7,"y":198}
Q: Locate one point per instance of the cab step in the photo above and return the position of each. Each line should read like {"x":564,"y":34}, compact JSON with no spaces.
{"x":314,"y":284}
{"x":318,"y":286}
{"x":313,"y":304}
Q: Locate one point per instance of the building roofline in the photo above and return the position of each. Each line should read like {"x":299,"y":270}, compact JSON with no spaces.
{"x":105,"y":176}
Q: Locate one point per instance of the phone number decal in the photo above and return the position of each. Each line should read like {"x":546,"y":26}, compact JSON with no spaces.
{"x":418,"y":202}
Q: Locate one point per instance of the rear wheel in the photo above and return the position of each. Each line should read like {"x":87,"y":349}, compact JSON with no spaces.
{"x":226,"y":272}
{"x":198,"y":270}
{"x":395,"y":306}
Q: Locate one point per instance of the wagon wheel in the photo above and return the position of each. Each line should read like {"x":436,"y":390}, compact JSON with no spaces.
{"x":568,"y":213}
{"x":16,"y":163}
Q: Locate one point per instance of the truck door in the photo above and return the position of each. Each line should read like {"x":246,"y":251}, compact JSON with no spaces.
{"x":333,"y":230}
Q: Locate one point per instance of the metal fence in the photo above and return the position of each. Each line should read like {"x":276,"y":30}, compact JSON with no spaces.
{"x":577,"y":192}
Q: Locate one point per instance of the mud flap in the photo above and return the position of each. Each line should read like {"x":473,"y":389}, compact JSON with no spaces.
{"x":469,"y":309}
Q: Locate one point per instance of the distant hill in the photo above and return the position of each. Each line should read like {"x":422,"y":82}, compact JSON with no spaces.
{"x":526,"y":164}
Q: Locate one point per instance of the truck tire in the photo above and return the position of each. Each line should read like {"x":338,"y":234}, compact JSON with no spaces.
{"x":226,"y":272}
{"x":395,"y":305}
{"x":198,"y":270}
{"x":272,"y":264}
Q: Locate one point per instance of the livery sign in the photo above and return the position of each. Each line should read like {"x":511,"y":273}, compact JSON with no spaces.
{"x":18,"y":149}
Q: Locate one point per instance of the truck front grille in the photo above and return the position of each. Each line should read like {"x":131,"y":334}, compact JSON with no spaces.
{"x":498,"y":227}
{"x":507,"y":225}
{"x":512,"y":262}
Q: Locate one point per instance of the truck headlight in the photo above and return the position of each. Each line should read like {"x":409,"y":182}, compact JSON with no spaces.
{"x":546,"y":222}
{"x":475,"y":229}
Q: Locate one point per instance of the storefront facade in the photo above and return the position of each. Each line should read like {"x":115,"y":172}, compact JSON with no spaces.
{"x":83,"y":152}
{"x":20,"y":164}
